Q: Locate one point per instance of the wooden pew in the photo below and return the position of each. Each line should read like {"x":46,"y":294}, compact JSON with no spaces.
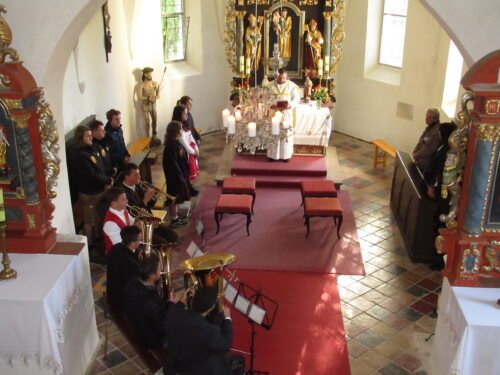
{"x":380,"y":157}
{"x":152,"y":358}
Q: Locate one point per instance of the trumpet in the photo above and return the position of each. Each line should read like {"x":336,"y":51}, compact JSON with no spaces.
{"x":158,"y":192}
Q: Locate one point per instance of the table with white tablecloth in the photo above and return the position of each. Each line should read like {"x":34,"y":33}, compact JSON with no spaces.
{"x":312,"y":125}
{"x":47,"y":318}
{"x":467,"y":340}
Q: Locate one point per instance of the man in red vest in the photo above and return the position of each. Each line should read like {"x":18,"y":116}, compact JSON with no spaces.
{"x":116,"y":217}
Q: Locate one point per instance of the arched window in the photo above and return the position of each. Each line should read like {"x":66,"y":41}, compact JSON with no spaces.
{"x":175,"y":30}
{"x":392,"y":39}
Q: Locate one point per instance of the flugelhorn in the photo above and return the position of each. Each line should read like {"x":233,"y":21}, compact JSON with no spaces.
{"x":158,"y":192}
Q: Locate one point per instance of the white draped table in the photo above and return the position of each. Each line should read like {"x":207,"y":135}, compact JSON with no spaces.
{"x":312,"y":125}
{"x":467,"y":340}
{"x":47,"y":318}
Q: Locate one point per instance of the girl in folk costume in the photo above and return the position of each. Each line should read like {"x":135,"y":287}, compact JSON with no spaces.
{"x":188,"y":141}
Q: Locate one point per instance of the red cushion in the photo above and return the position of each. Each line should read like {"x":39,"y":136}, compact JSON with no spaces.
{"x":319,"y":188}
{"x":322,"y":206}
{"x":234,"y":203}
{"x":238,"y":185}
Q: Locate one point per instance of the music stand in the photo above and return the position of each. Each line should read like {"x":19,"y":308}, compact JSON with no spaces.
{"x":255,"y":306}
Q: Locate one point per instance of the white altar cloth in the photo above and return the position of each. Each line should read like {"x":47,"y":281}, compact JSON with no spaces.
{"x":47,"y":318}
{"x":312,"y":126}
{"x":467,"y":340}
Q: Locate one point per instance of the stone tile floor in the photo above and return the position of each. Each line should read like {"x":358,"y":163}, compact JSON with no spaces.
{"x":387,"y":314}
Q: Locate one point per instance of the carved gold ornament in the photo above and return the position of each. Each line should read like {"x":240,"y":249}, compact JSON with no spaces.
{"x":308,"y":2}
{"x":13,"y":103}
{"x":6,"y":39}
{"x":491,"y":256}
{"x":338,"y":35}
{"x":455,"y":162}
{"x":21,"y":121}
{"x":230,"y":35}
{"x":438,"y":243}
{"x":4,"y":82}
{"x":487,"y":132}
{"x":492,"y":106}
{"x":31,"y":221}
{"x":259,"y":2}
{"x":49,"y":142}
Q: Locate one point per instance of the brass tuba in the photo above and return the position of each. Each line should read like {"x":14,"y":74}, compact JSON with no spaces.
{"x":205,"y":270}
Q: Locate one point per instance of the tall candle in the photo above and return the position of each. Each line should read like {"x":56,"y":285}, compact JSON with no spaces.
{"x":252,"y":129}
{"x":225,"y":115}
{"x":320,"y":67}
{"x":231,"y":125}
{"x":286,"y":124}
{"x":248,"y":66}
{"x":242,"y":64}
{"x":327,"y":64}
{"x":275,"y":126}
{"x":2,"y":209}
{"x":237,"y":115}
{"x":279,"y":116}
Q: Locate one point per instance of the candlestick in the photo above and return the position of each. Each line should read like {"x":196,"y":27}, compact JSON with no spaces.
{"x":2,"y":209}
{"x":225,"y":115}
{"x":252,"y":129}
{"x":231,"y":125}
{"x":327,"y":65}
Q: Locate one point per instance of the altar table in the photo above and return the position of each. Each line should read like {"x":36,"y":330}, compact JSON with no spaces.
{"x":312,"y":125}
{"x":467,"y":340}
{"x":47,"y":318}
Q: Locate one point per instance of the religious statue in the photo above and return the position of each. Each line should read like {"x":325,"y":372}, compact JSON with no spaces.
{"x":283,"y":26}
{"x":253,"y":38}
{"x":307,"y":87}
{"x":150,"y":92}
{"x":4,"y":167}
{"x":313,"y":45}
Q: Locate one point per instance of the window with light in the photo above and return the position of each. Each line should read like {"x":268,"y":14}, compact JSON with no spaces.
{"x":175,"y":30}
{"x":393,"y":33}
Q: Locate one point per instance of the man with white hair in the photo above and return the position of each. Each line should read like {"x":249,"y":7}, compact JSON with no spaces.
{"x":429,"y":140}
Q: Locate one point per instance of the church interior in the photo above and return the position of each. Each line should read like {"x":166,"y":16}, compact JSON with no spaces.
{"x":341,"y":251}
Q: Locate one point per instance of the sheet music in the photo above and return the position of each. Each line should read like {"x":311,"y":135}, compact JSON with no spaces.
{"x":256,"y":314}
{"x":198,"y":253}
{"x":242,"y":304}
{"x":192,"y":249}
{"x":230,"y":292}
{"x":199,"y":227}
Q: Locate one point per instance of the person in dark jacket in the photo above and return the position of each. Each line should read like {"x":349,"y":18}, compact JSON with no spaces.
{"x":91,"y":178}
{"x":176,"y":171}
{"x":101,"y":144}
{"x":144,"y":307}
{"x":196,"y":346}
{"x":122,"y":266}
{"x":114,"y":138}
{"x":188,"y":102}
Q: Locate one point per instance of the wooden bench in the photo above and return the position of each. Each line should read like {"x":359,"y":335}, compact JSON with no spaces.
{"x":152,"y":358}
{"x":386,"y":148}
{"x":140,"y":145}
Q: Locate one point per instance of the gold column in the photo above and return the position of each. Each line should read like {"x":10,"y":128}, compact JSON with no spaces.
{"x":7,"y":272}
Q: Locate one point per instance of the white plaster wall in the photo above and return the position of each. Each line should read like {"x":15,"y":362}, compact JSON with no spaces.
{"x":366,"y":107}
{"x":45,"y":33}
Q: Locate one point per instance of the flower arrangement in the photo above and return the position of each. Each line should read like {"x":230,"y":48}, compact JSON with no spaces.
{"x":320,"y":94}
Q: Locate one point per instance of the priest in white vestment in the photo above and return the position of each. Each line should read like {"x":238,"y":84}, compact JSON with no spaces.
{"x":283,"y":89}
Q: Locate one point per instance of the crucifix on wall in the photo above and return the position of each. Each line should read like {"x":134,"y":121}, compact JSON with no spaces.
{"x":106,"y":18}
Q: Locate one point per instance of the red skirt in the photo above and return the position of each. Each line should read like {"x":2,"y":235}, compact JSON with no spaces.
{"x":194,"y":169}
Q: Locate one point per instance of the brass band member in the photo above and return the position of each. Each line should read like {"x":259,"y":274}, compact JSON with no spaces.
{"x":144,"y":307}
{"x":145,"y":199}
{"x":122,"y":265}
{"x":101,"y":144}
{"x":87,"y":170}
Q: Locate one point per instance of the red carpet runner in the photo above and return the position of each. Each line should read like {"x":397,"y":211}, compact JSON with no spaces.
{"x":307,"y":337}
{"x":277,"y":238}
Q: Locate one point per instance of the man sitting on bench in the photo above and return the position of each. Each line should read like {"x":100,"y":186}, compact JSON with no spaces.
{"x":144,"y":308}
